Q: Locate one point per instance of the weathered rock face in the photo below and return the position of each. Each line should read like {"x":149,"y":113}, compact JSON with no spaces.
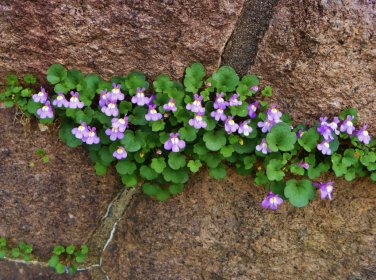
{"x":59,"y":202}
{"x":218,"y":230}
{"x":320,"y":57}
{"x":114,"y":37}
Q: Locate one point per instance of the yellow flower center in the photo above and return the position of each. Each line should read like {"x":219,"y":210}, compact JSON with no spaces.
{"x":91,"y":133}
{"x":231,"y":122}
{"x":199,"y":118}
{"x":81,"y":128}
{"x":111,"y":105}
{"x":120,"y":150}
{"x":253,"y":107}
{"x":274,"y":110}
{"x":45,"y":108}
{"x":174,"y":140}
{"x":220,"y":100}
{"x":74,"y":99}
{"x":196,"y":102}
{"x":365,"y":132}
{"x":329,"y":188}
{"x":273,"y":200}
{"x":115,"y":90}
{"x":40,"y":93}
{"x":220,"y":111}
{"x":140,"y":94}
{"x":114,"y":129}
{"x":104,"y":96}
{"x":171,"y":104}
{"x":349,"y":123}
{"x":153,"y":111}
{"x":326,"y":144}
{"x":122,"y":121}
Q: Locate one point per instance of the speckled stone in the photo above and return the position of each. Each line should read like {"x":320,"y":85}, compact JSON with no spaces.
{"x":218,"y":230}
{"x":320,"y":58}
{"x":45,"y":204}
{"x":113,"y":37}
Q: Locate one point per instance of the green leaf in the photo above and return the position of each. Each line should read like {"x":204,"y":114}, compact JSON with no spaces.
{"x":273,"y":170}
{"x":176,"y":188}
{"x":58,"y":250}
{"x":84,"y":249}
{"x":218,"y":172}
{"x":125,"y":107}
{"x":130,"y":142}
{"x":66,"y":135}
{"x":349,"y":112}
{"x":150,"y":189}
{"x":249,"y":161}
{"x":215,"y":140}
{"x":26,"y":92}
{"x":188,"y":133}
{"x":32,"y":106}
{"x":281,"y":138}
{"x":3,"y":253}
{"x":12,"y":80}
{"x":8,"y":104}
{"x":194,"y":165}
{"x":60,"y":268}
{"x":56,"y":73}
{"x":135,"y":80}
{"x":193,"y":77}
{"x":227,"y":151}
{"x":295,"y":169}
{"x":175,"y":176}
{"x":129,"y":180}
{"x":53,"y":261}
{"x":267,"y":91}
{"x":212,"y":159}
{"x":30,"y":79}
{"x":125,"y":167}
{"x":300,"y":192}
{"x":138,"y":116}
{"x":162,"y":195}
{"x":80,"y":258}
{"x":70,"y":249}
{"x":157,"y":125}
{"x":72,"y":269}
{"x":15,"y":252}
{"x":225,"y":79}
{"x":309,"y":139}
{"x":162,"y":83}
{"x":176,"y":160}
{"x":261,"y":179}
{"x":148,"y":173}
{"x":373,"y":176}
{"x":158,"y":164}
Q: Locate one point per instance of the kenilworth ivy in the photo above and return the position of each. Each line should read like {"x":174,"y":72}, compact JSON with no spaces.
{"x":156,"y":134}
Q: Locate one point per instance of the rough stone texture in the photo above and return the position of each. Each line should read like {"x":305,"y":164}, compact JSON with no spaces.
{"x":242,"y":47}
{"x":320,"y":57}
{"x":218,"y":230}
{"x":14,"y":271}
{"x":113,"y":37}
{"x":61,"y":201}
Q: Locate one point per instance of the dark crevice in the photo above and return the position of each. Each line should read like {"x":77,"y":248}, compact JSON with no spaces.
{"x":241,"y":49}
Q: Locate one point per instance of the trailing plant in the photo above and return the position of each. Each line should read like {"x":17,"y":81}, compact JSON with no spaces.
{"x":157,"y":133}
{"x":21,"y":251}
{"x":66,"y":259}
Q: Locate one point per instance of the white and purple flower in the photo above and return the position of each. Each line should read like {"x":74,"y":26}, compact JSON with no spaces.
{"x":252,"y":109}
{"x":254,"y":88}
{"x":324,"y":147}
{"x":80,"y":131}
{"x":230,"y":125}
{"x":196,"y":106}
{"x":263,"y":147}
{"x":41,"y":96}
{"x":139,"y":98}
{"x":114,"y":133}
{"x":90,"y":136}
{"x":219,"y":102}
{"x":303,"y":164}
{"x":120,"y":153}
{"x":218,"y":114}
{"x":272,"y":201}
{"x":347,"y":125}
{"x":46,"y":111}
{"x":234,"y":101}
{"x":170,"y":106}
{"x":74,"y":101}
{"x":152,"y":114}
{"x":104,"y":97}
{"x":326,"y":189}
{"x":244,"y":128}
{"x":274,"y":114}
{"x":60,"y":101}
{"x":116,"y":93}
{"x":363,"y":135}
{"x":266,"y":125}
{"x":110,"y":109}
{"x":197,"y":122}
{"x":174,"y":143}
{"x":121,"y":124}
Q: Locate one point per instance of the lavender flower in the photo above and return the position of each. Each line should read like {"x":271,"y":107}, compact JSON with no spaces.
{"x":263,"y":147}
{"x":326,"y":129}
{"x":303,"y":164}
{"x":41,"y":96}
{"x":234,"y":100}
{"x":218,"y":115}
{"x":196,"y":106}
{"x":299,"y":133}
{"x":111,"y":109}
{"x":252,"y":108}
{"x":81,"y":131}
{"x":197,"y":122}
{"x":116,"y":93}
{"x":348,"y":125}
{"x":114,"y":133}
{"x":326,"y":189}
{"x":254,"y":88}
{"x":230,"y":125}
{"x":152,"y":114}
{"x":274,"y":114}
{"x":74,"y":101}
{"x":120,"y":153}
{"x":174,"y":143}
{"x":90,"y":136}
{"x":45,"y":111}
{"x":266,"y":125}
{"x":140,"y":99}
{"x":324,"y":147}
{"x":334,"y":125}
{"x":272,"y":201}
{"x":244,"y":128}
{"x":60,"y":101}
{"x":219,"y":102}
{"x":121,"y":124}
{"x":170,"y":106}
{"x":104,"y":97}
{"x":363,"y":135}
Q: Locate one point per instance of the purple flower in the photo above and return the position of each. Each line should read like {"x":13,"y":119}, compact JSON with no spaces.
{"x":348,"y":125}
{"x":196,"y":106}
{"x":244,"y":128}
{"x":266,"y":125}
{"x":121,"y":124}
{"x":299,"y":133}
{"x":116,"y":93}
{"x":74,"y":101}
{"x":303,"y":164}
{"x":234,"y":100}
{"x":80,"y":131}
{"x":252,"y":108}
{"x":363,"y":135}
{"x":272,"y":201}
{"x":153,"y":114}
{"x":218,"y":115}
{"x":197,"y":122}
{"x":60,"y":101}
{"x":170,"y":106}
{"x":140,"y":99}
{"x":114,"y":133}
{"x":174,"y":143}
{"x":111,"y":109}
{"x":263,"y":147}
{"x":254,"y":88}
{"x":334,"y":125}
{"x":120,"y":153}
{"x":274,"y":114}
{"x":326,"y":189}
{"x":104,"y":98}
{"x":45,"y":111}
{"x":41,"y":96}
{"x":90,"y":136}
{"x":219,"y":102}
{"x":324,"y":147}
{"x":325,"y":129}
{"x":230,"y":125}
